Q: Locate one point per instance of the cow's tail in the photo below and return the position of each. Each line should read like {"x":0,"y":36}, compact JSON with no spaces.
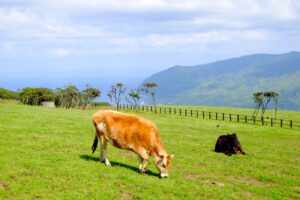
{"x":95,"y":144}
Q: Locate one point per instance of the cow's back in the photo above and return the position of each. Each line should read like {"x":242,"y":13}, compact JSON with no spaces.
{"x":221,"y":144}
{"x":128,"y":131}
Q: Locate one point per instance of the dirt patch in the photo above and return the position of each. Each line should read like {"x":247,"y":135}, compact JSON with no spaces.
{"x":4,"y":185}
{"x":35,"y":197}
{"x":252,"y":181}
{"x":103,"y":176}
{"x":126,"y":195}
{"x":192,"y":176}
{"x":244,"y":179}
{"x":212,"y":183}
{"x":249,"y":194}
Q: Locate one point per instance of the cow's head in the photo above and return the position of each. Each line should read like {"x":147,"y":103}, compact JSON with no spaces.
{"x":163,"y":164}
{"x":236,"y":144}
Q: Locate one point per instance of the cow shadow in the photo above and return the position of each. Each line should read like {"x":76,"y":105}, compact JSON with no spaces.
{"x":118,"y":164}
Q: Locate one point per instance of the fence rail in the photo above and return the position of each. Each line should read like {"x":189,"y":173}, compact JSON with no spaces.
{"x":263,"y":121}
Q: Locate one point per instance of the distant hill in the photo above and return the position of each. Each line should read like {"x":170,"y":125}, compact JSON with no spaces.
{"x":232,"y":82}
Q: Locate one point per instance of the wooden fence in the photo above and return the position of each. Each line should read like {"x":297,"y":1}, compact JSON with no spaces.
{"x":264,"y":121}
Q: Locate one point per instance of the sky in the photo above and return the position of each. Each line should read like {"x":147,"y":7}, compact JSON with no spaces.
{"x":55,"y":43}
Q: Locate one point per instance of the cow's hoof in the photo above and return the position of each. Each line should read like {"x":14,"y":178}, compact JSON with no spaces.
{"x":108,"y":164}
{"x":142,"y":171}
{"x":161,"y":176}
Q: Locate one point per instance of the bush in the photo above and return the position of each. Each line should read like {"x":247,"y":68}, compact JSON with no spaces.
{"x":34,"y":96}
{"x":7,"y":94}
{"x":100,"y":104}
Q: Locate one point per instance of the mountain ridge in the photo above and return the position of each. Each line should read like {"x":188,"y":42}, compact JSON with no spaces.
{"x":214,"y":83}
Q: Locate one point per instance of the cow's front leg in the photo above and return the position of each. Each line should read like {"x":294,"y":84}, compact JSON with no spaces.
{"x":103,"y":151}
{"x":144,"y":158}
{"x":143,"y":165}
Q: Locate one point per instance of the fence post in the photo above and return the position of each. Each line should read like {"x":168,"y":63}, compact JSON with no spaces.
{"x":197,"y":113}
{"x":262,"y":121}
{"x":216,"y":116}
{"x":174,"y":111}
{"x":271,"y":121}
{"x":180,"y":111}
{"x":281,"y":123}
{"x":170,"y":111}
{"x":223,"y":116}
{"x":203,"y":114}
{"x":209,"y":115}
{"x":191,"y":113}
{"x":291,"y":124}
{"x":230,"y":117}
{"x":254,"y":119}
{"x":185,"y":112}
{"x":238,"y":118}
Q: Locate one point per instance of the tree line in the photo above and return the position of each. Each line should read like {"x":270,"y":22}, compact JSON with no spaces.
{"x":71,"y":97}
{"x":132,"y":97}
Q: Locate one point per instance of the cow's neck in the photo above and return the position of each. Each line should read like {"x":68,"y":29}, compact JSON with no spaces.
{"x":160,"y":151}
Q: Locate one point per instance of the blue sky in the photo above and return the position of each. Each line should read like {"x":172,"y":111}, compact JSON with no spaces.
{"x":51,"y":43}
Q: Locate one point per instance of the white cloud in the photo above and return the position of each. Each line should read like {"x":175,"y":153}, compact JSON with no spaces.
{"x":280,"y":9}
{"x":201,"y":23}
{"x":8,"y":46}
{"x":254,"y":35}
{"x":60,"y":52}
{"x":15,"y":18}
{"x":218,"y":21}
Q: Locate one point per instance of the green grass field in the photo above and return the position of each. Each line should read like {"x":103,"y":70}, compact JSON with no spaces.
{"x":45,"y":154}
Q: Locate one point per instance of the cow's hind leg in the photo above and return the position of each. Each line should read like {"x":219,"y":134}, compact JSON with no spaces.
{"x":103,"y":144}
{"x":103,"y":153}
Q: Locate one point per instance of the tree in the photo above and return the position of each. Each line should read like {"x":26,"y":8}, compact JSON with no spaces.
{"x":110,"y":96}
{"x":262,"y":99}
{"x":276,"y":100}
{"x":258,"y":100}
{"x":89,"y":94}
{"x":116,"y":91}
{"x":135,"y":95}
{"x":150,"y":88}
{"x":69,"y":97}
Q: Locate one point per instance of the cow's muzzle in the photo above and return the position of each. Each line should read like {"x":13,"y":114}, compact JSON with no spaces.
{"x":163,"y":176}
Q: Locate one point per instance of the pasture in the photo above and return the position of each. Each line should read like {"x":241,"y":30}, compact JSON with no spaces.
{"x":45,"y":154}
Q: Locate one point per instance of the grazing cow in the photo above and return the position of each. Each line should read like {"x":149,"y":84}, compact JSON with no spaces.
{"x":229,"y":144}
{"x":132,"y":133}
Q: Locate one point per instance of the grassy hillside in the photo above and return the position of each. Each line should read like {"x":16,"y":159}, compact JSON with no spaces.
{"x":45,"y":154}
{"x":232,"y":82}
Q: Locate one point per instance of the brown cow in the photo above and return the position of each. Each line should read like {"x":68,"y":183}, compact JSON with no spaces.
{"x":229,"y":144}
{"x":132,"y":133}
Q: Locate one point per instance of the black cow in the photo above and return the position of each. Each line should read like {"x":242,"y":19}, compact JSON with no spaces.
{"x":229,"y":144}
